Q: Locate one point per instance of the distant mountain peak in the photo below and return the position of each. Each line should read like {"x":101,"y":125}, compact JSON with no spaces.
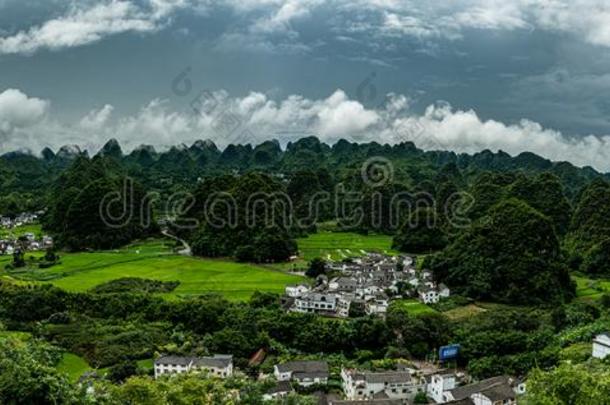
{"x":204,"y":144}
{"x":69,"y":152}
{"x":47,"y":154}
{"x":111,"y":148}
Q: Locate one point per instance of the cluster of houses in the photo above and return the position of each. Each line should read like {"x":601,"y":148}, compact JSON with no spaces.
{"x":24,"y":218}
{"x":366,"y":285}
{"x":387,"y":387}
{"x":28,"y":241}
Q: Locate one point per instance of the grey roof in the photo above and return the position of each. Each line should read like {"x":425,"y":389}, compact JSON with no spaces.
{"x":467,"y":390}
{"x":499,"y":392}
{"x":280,"y":386}
{"x":217,"y":361}
{"x":465,"y":401}
{"x":372,"y":402}
{"x":175,"y":360}
{"x":389,"y":377}
{"x":304,"y":366}
{"x":372,"y":377}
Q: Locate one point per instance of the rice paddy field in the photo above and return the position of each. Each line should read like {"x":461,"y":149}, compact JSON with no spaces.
{"x":340,"y":245}
{"x":155,"y":260}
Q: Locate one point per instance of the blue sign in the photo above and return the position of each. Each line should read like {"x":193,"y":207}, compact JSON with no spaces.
{"x":448,"y":352}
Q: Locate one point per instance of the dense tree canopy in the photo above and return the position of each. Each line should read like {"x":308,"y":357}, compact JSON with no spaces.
{"x":93,"y":205}
{"x":421,"y":233}
{"x":248,"y":217}
{"x":509,"y":255}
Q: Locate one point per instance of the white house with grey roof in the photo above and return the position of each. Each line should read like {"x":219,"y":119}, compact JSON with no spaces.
{"x":601,"y":346}
{"x":500,"y":390}
{"x":304,"y":373}
{"x":295,"y":290}
{"x":368,"y":385}
{"x":316,"y":302}
{"x":218,"y":365}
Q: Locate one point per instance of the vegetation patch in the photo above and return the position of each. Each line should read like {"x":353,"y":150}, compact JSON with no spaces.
{"x":135,"y":285}
{"x":414,"y":307}
{"x":341,"y":245}
{"x":72,"y":365}
{"x":154,"y":260}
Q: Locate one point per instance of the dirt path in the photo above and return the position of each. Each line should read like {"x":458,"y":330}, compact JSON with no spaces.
{"x":187,"y":248}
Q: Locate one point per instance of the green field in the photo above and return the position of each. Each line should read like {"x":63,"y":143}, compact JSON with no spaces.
{"x":414,"y":307}
{"x":339,"y":245}
{"x":73,"y":365}
{"x":155,"y":260}
{"x":587,"y":288}
{"x":16,"y":232}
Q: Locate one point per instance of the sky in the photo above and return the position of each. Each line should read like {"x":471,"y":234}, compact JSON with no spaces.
{"x":464,"y":75}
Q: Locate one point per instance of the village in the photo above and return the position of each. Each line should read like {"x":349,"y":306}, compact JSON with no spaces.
{"x":11,"y":241}
{"x":364,"y":286}
{"x":407,"y":383}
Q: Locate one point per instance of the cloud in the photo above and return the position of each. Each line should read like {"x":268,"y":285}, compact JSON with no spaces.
{"x":96,"y":119}
{"x":269,"y":25}
{"x":255,"y":118}
{"x":87,"y":24}
{"x":18,"y":111}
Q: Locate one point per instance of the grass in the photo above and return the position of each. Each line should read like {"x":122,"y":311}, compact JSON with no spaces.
{"x":72,"y":365}
{"x":18,"y":231}
{"x":464,"y":312}
{"x":588,"y":289}
{"x":155,"y":260}
{"x":339,"y":245}
{"x":6,"y":334}
{"x":414,"y":307}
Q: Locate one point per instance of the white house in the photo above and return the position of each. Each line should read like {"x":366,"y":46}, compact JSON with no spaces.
{"x":304,"y":373}
{"x":428,"y":295}
{"x":601,"y":346}
{"x":496,"y":390}
{"x":377,"y":305}
{"x":438,"y":385}
{"x":219,"y":365}
{"x":296,"y":290}
{"x":366,"y":385}
{"x":316,"y":302}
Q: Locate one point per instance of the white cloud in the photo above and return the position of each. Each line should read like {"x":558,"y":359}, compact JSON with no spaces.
{"x":87,"y":24}
{"x":256,"y":118}
{"x":268,"y":25}
{"x":96,"y":119}
{"x":18,"y":111}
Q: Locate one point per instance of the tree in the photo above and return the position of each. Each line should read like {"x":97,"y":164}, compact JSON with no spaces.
{"x":28,"y":374}
{"x":251,"y":220}
{"x":122,"y":371}
{"x":316,"y":267}
{"x":420,"y":233}
{"x":510,"y":255}
{"x":544,"y":193}
{"x":597,"y":259}
{"x":569,"y":384}
{"x":591,"y":219}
